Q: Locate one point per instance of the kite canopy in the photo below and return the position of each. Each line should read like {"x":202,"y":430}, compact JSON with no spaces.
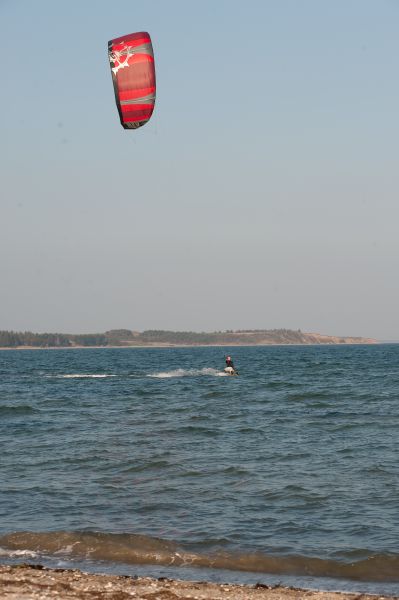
{"x":133,"y":73}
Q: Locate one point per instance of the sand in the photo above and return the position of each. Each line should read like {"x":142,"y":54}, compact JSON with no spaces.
{"x":34,"y":582}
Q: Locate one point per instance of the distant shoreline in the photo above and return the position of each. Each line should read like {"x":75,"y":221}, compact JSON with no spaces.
{"x":158,"y":338}
{"x":168,"y":346}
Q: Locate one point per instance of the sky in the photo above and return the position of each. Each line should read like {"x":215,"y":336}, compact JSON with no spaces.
{"x":262,"y":194}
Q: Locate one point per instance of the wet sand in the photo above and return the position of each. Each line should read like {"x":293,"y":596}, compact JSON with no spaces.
{"x":34,"y":582}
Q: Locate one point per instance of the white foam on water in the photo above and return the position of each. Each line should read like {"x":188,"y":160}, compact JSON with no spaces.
{"x":18,"y":553}
{"x":68,"y":549}
{"x":207,"y":371}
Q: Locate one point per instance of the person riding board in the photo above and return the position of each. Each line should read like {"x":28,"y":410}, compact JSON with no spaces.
{"x":229,"y":362}
{"x":230,"y":368}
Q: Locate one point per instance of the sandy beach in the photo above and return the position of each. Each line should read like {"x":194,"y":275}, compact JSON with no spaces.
{"x":34,"y":582}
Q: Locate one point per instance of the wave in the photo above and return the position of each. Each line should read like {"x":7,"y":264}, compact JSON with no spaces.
{"x":18,"y":553}
{"x":188,"y":373}
{"x":140,"y":549}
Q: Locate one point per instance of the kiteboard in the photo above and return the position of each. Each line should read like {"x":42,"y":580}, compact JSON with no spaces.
{"x":230,"y":371}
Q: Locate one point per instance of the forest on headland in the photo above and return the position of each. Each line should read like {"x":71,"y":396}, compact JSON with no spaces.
{"x":153,"y":337}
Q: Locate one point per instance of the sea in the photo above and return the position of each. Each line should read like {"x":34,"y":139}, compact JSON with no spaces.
{"x":151,"y":461}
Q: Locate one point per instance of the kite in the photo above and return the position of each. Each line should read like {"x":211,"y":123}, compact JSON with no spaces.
{"x":131,"y":59}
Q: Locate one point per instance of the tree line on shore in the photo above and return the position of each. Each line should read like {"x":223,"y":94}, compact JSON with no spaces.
{"x":154,"y":337}
{"x":15,"y":339}
{"x":125,"y":337}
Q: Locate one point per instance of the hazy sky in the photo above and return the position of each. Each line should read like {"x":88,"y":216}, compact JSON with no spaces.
{"x":262,"y":194}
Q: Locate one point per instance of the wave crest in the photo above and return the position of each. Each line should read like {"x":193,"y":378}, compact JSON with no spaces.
{"x":141,"y":549}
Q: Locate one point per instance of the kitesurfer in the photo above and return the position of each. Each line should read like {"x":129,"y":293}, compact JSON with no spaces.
{"x":229,"y":362}
{"x":230,"y":368}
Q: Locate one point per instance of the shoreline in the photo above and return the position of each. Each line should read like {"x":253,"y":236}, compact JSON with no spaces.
{"x":168,"y":346}
{"x":36,"y":582}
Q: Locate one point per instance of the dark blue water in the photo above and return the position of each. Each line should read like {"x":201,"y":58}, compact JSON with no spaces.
{"x":151,"y":461}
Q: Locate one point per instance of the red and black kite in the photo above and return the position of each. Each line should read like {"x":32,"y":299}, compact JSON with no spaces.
{"x":133,"y":73}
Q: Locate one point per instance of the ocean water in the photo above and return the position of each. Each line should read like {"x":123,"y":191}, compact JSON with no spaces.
{"x":151,"y":461}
